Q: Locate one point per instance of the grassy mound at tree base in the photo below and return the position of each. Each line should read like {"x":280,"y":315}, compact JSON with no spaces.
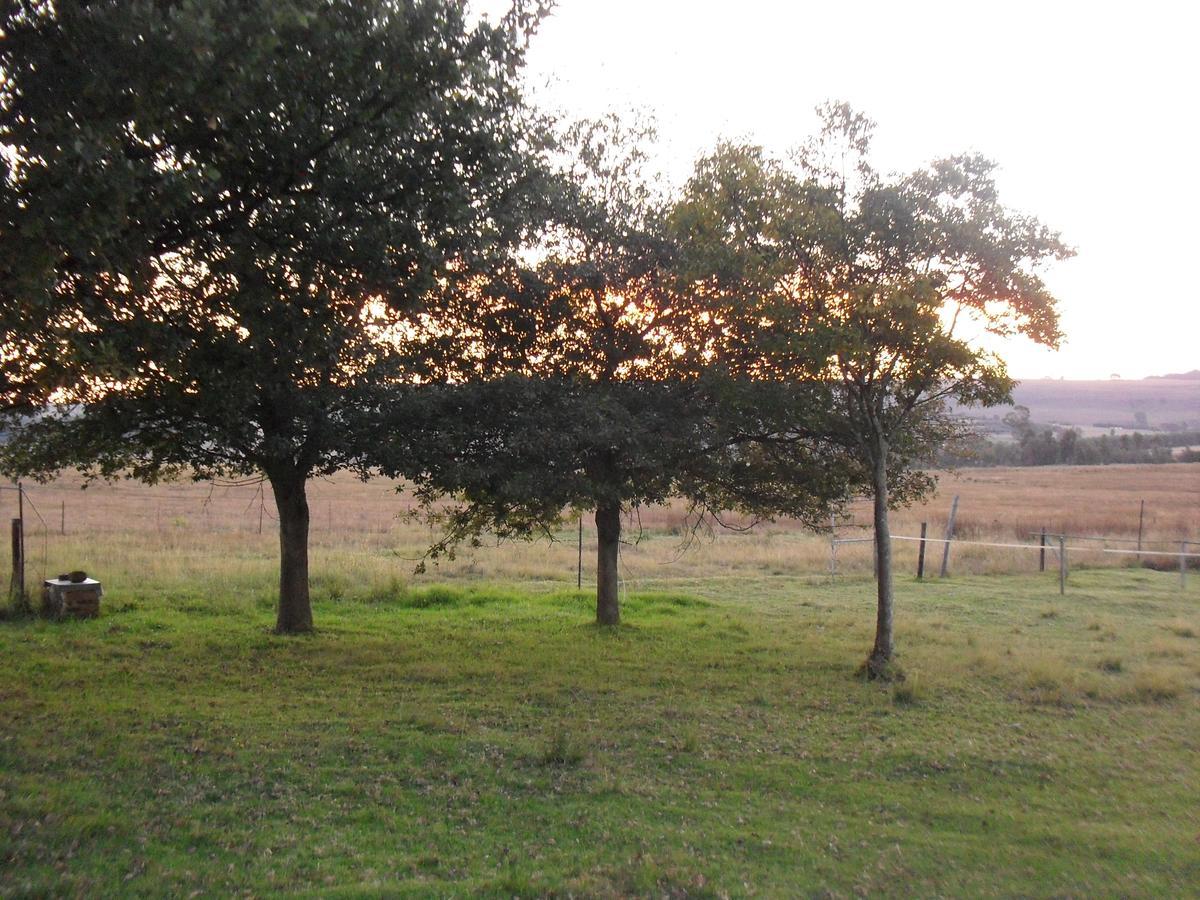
{"x":488,"y":741}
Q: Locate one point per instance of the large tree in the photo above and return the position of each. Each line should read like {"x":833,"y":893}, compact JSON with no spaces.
{"x":871,"y":284}
{"x":597,"y":346}
{"x":218,"y":216}
{"x":590,"y":381}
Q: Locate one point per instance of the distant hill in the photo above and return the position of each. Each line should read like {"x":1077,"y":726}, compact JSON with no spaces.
{"x":1193,"y":375}
{"x":1170,"y":403}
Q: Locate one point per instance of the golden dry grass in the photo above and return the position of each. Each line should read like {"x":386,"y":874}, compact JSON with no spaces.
{"x":186,"y":532}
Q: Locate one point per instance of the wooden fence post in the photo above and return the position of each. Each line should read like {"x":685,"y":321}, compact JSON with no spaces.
{"x":1042,"y":552}
{"x":1141,"y":520}
{"x":579,"y":564}
{"x":949,"y":537}
{"x":832,"y":548}
{"x":921,"y":554}
{"x":17,"y":588}
{"x":21,"y":514}
{"x":1062,"y":564}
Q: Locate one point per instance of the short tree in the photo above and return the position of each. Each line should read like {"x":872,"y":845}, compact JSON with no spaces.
{"x":217,"y":215}
{"x":861,"y":281}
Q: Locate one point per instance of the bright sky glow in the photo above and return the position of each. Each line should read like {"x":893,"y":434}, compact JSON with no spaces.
{"x":1089,"y":108}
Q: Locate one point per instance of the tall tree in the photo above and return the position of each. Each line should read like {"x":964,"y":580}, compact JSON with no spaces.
{"x":864,"y":282}
{"x":218,"y":215}
{"x":588,"y":381}
{"x":597,"y":345}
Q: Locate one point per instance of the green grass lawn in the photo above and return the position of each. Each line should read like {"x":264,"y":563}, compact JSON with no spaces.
{"x":479,"y":740}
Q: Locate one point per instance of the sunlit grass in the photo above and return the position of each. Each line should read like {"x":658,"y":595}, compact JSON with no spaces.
{"x":470,"y":737}
{"x":469,"y":731}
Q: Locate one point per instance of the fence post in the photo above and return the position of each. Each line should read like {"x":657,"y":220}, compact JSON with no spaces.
{"x":1062,"y":564}
{"x":1182,"y":566}
{"x":921,"y":554}
{"x":1141,"y":520}
{"x":579,"y":564}
{"x":21,"y":514}
{"x":17,"y":588}
{"x":949,"y":537}
{"x":1042,"y":552}
{"x":832,"y":548}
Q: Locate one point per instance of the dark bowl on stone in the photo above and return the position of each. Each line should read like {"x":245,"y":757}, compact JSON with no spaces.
{"x":78,"y":577}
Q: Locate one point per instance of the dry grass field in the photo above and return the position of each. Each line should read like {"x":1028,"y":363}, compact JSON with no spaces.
{"x":197,"y":534}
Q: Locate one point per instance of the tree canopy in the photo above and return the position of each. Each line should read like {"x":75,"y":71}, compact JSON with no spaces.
{"x":278,"y":238}
{"x":219,"y":216}
{"x":826,"y":269}
{"x":594,"y":383}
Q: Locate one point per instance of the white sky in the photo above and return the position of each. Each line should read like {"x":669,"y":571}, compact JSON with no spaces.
{"x":1092,"y":111}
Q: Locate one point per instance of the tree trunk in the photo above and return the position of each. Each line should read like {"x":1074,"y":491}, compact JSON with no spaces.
{"x":608,"y":532}
{"x":295,"y":609}
{"x":878,"y":664}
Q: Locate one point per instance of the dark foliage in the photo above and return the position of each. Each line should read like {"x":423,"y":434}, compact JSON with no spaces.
{"x":217,"y":213}
{"x":831,"y":270}
{"x":592,"y":381}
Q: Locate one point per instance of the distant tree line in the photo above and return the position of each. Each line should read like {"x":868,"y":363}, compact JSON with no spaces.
{"x":1044,"y":445}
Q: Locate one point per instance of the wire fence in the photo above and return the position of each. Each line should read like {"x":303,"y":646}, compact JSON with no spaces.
{"x":1060,"y":550}
{"x":122,"y":523}
{"x":348,"y":514}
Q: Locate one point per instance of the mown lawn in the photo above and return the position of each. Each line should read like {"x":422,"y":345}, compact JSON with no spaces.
{"x":483,"y":741}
